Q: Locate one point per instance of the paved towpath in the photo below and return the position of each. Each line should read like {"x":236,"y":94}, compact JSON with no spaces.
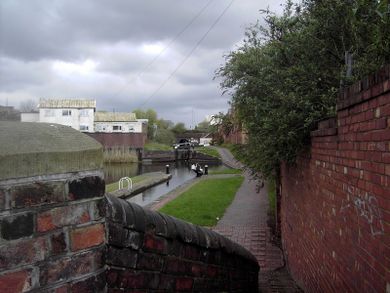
{"x":245,"y":222}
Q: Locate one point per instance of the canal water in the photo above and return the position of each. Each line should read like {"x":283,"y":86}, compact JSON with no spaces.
{"x":180,"y":171}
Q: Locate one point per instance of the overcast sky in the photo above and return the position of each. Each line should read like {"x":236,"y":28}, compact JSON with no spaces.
{"x":122,"y":52}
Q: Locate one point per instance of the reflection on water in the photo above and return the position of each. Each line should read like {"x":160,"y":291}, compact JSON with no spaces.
{"x":114,"y":172}
{"x":180,"y":174}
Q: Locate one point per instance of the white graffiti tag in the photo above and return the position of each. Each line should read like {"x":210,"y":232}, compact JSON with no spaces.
{"x":366,"y":207}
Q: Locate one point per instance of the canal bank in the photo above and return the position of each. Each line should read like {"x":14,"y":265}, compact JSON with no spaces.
{"x":180,"y":174}
{"x":163,"y":200}
{"x":191,"y":155}
{"x":138,"y":184}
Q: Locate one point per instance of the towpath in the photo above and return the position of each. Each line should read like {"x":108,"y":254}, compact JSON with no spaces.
{"x":245,"y":222}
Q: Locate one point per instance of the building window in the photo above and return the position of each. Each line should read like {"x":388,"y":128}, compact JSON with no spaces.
{"x":84,"y":113}
{"x":66,"y":112}
{"x":49,"y":113}
{"x":83,"y":127}
{"x":116,"y":128}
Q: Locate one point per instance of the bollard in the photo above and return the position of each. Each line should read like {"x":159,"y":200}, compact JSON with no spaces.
{"x":206,"y":170}
{"x":167,"y":169}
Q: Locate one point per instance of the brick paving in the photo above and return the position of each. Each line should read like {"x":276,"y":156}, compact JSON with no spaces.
{"x":245,"y":222}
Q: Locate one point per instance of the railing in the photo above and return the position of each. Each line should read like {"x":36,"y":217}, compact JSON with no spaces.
{"x":129,"y":183}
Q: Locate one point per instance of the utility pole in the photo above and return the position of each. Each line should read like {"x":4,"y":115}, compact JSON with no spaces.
{"x":192,"y":123}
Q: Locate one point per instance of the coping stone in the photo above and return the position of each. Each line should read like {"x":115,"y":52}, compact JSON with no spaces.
{"x":36,"y":149}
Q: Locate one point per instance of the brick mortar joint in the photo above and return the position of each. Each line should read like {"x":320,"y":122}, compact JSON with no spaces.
{"x":48,"y":207}
{"x":69,"y":281}
{"x":61,"y":177}
{"x":35,"y":266}
{"x":348,"y":102}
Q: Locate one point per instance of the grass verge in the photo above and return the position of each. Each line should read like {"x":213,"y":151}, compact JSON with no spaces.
{"x":225,"y":171}
{"x":208,"y":151}
{"x":155,"y":146}
{"x":272,"y":196}
{"x":235,"y":149}
{"x":205,"y":201}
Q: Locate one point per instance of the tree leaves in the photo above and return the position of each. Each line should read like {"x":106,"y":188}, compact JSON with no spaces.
{"x":285,"y":76}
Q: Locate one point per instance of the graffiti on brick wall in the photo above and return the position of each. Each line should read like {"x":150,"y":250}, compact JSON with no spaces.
{"x":366,"y":207}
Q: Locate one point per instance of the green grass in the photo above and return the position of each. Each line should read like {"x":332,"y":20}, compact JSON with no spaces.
{"x":225,"y":171}
{"x":208,"y":151}
{"x":205,"y":201}
{"x":235,"y":149}
{"x":155,"y":146}
{"x":272,"y":196}
{"x":114,"y":186}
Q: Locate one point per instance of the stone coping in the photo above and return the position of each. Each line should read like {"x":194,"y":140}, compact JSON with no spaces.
{"x":141,"y":220}
{"x":34,"y":149}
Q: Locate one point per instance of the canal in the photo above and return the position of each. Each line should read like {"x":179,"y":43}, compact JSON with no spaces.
{"x":180,"y":171}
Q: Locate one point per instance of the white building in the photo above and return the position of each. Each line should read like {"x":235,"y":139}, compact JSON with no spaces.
{"x":109,"y":122}
{"x":29,"y":116}
{"x":206,"y":140}
{"x":81,"y":115}
{"x":78,"y":114}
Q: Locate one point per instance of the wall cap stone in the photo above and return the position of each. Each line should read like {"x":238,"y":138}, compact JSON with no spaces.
{"x":143,"y":220}
{"x":365,"y":89}
{"x":34,"y":149}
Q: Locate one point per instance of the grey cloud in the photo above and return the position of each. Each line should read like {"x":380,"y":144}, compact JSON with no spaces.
{"x":16,"y":73}
{"x":43,"y":28}
{"x":36,"y":33}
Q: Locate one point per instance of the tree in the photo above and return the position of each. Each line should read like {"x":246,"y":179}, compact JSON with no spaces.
{"x":165,"y":136}
{"x":159,"y":130}
{"x":285,"y":76}
{"x":179,"y":128}
{"x":203,"y":126}
{"x":151,"y":115}
{"x":28,"y":106}
{"x":164,"y":124}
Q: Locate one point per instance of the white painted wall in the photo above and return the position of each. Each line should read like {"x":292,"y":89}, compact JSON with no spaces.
{"x":205,"y":141}
{"x":125,"y":127}
{"x":79,"y":119}
{"x":29,"y":117}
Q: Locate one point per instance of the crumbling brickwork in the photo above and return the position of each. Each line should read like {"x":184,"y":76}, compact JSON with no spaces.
{"x":52,"y":235}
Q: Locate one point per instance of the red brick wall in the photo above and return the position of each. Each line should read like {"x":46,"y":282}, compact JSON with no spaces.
{"x":52,"y":236}
{"x":153,"y":252}
{"x":236,"y":136}
{"x":114,"y":140}
{"x":335,"y":204}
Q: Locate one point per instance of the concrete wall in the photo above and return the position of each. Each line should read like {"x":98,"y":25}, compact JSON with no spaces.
{"x":335,"y":203}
